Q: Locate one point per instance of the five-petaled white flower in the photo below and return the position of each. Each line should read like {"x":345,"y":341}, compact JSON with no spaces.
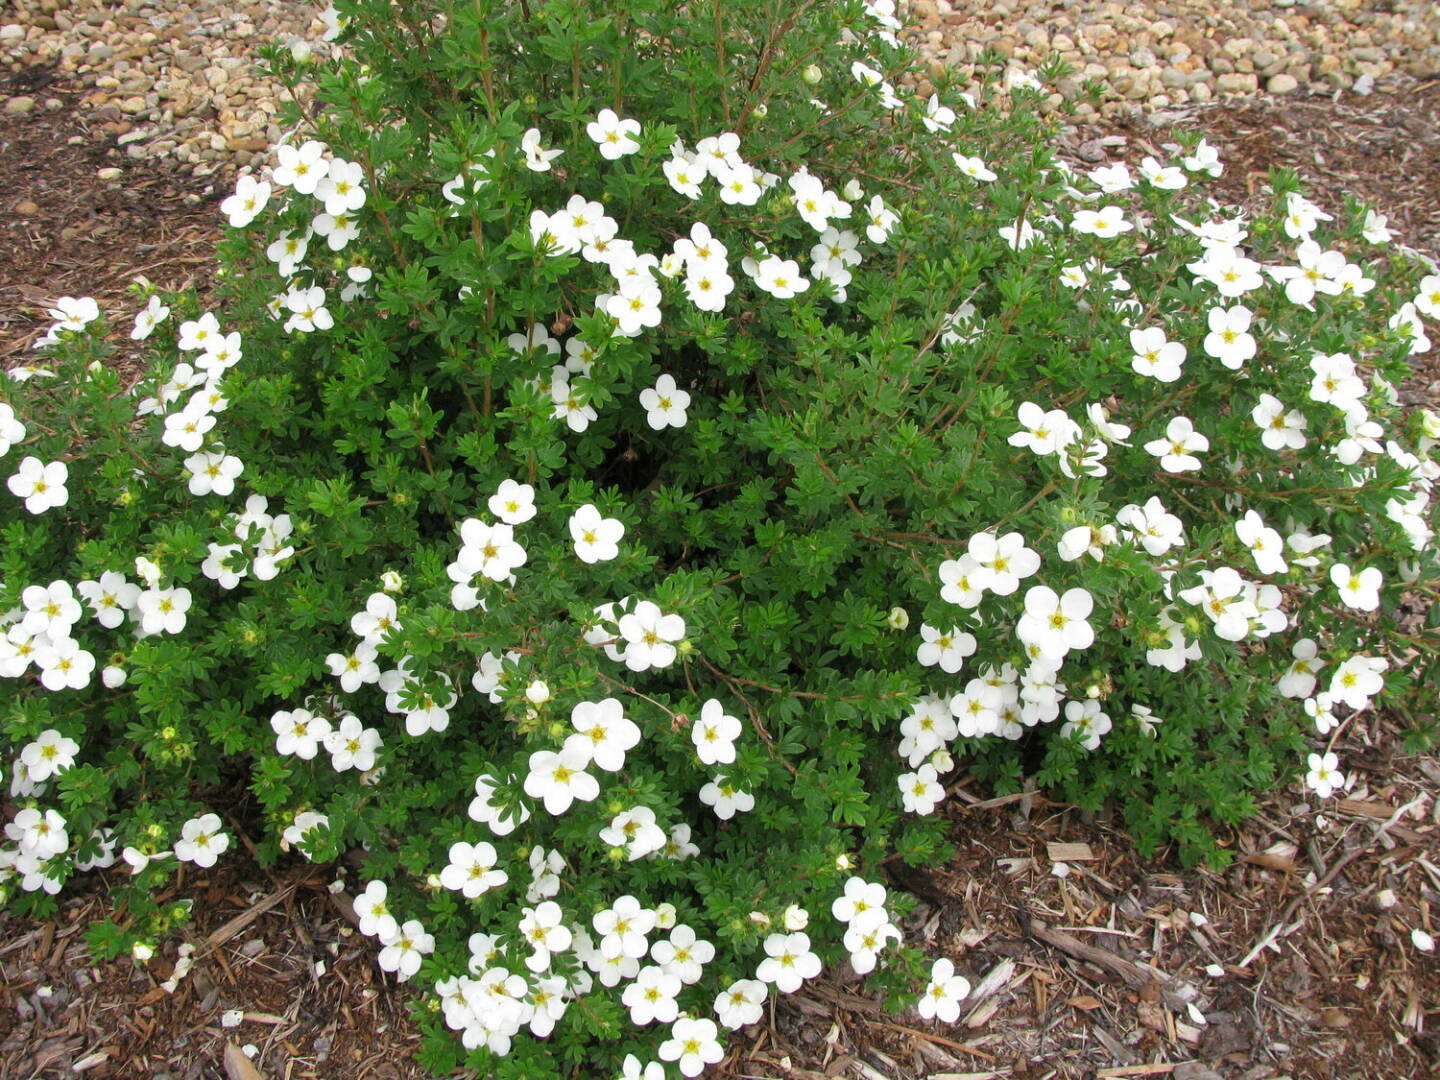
{"x":1178,"y":448}
{"x":649,"y":634}
{"x":614,"y":136}
{"x":41,"y":485}
{"x":201,"y":841}
{"x":249,"y":200}
{"x":560,"y":778}
{"x":942,"y":997}
{"x":1357,"y":590}
{"x":472,"y":869}
{"x":664,"y":403}
{"x":162,"y":611}
{"x":597,"y":539}
{"x":693,"y":1044}
{"x":714,"y":734}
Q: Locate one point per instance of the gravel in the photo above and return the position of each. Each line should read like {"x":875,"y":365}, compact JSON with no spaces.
{"x":175,"y":79}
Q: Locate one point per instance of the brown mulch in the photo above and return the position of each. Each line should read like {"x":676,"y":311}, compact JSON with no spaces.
{"x":1122,"y":967}
{"x":66,"y":232}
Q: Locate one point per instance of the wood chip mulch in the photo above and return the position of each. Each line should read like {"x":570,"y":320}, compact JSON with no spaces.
{"x":1296,"y":962}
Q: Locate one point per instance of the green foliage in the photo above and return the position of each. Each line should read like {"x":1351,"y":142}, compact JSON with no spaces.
{"x":843,"y":450}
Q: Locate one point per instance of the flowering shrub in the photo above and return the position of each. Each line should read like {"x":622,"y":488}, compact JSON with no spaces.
{"x":637,"y":454}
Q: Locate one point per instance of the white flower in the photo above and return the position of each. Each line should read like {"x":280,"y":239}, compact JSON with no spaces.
{"x":1019,"y":235}
{"x":301,"y":168}
{"x":489,"y":550}
{"x":472,"y":870}
{"x":1324,"y":775}
{"x":1162,"y":176}
{"x":779,"y":277}
{"x":726,"y":800}
{"x":41,"y":485}
{"x":1357,"y":680}
{"x":1299,"y":679}
{"x":249,"y":200}
{"x":74,"y":313}
{"x":714,"y":734}
{"x":1056,"y":624}
{"x":308,"y":311}
{"x":651,"y":997}
{"x":861,"y":902}
{"x":614,"y":136}
{"x":1003,"y":561}
{"x":1360,"y":591}
{"x":622,"y":928}
{"x":213,"y":472}
{"x":1112,"y":179}
{"x":942,"y":997}
{"x":1156,"y":357}
{"x":1085,"y":723}
{"x":962,"y":581}
{"x":64,"y":665}
{"x":299,"y":732}
{"x":341,"y":189}
{"x":1335,"y":381}
{"x":880,"y":219}
{"x":1281,"y":428}
{"x":1107,"y":221}
{"x":404,"y":950}
{"x":357,"y":669}
{"x":1043,"y":432}
{"x":149,"y":317}
{"x":920,"y":791}
{"x":162,"y":611}
{"x":1205,"y":159}
{"x":789,"y":962}
{"x":513,"y":503}
{"x":693,"y":1044}
{"x":1177,"y":449}
{"x":741,"y":1003}
{"x":1264,"y":543}
{"x":947,"y":649}
{"x":537,"y":158}
{"x":201,"y":841}
{"x":351,"y":745}
{"x":560,"y":778}
{"x":377,"y":620}
{"x":50,"y":754}
{"x":1229,"y":339}
{"x":664,"y":404}
{"x":649,"y":633}
{"x":604,"y":732}
{"x":1231,"y":273}
{"x":597,"y":539}
{"x":865,"y":943}
{"x":684,"y":175}
{"x":635,"y":830}
{"x":973,"y":167}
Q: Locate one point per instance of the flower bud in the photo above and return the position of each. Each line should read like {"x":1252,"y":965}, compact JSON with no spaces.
{"x":391,"y":582}
{"x":796,"y":918}
{"x":759,"y":112}
{"x":942,"y":761}
{"x":759,"y":918}
{"x":898,"y":619}
{"x":812,"y":75}
{"x":852,"y":190}
{"x":665,"y":915}
{"x":142,"y":952}
{"x":432,"y":881}
{"x":844,"y":862}
{"x":300,"y":50}
{"x":113,"y":677}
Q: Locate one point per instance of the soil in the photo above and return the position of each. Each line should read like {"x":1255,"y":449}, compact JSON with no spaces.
{"x":1296,"y":962}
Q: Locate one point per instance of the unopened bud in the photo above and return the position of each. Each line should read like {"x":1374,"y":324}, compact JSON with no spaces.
{"x":898,"y":619}
{"x":812,"y":75}
{"x":796,"y":918}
